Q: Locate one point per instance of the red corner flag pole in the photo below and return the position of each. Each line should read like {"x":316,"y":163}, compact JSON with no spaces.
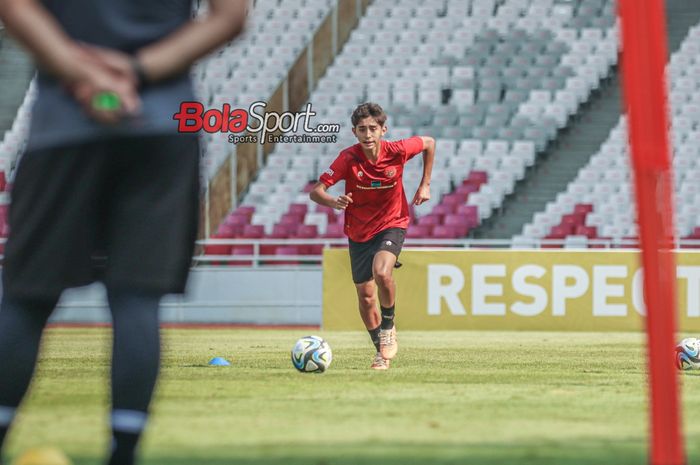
{"x":643,"y":65}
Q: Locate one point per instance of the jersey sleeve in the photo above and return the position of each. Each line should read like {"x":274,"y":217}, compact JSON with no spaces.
{"x":412,"y":147}
{"x":336,"y":172}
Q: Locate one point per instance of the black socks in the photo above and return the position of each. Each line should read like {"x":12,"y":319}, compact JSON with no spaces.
{"x":127,"y":426}
{"x":387,"y":317}
{"x":374,"y":335}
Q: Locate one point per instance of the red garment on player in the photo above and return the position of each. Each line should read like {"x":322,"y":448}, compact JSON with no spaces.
{"x":378,"y":197}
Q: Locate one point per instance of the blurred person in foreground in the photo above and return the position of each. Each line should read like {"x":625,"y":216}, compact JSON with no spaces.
{"x":376,"y":216}
{"x":105,"y":174}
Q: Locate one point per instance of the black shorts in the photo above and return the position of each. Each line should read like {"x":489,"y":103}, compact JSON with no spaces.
{"x":123,"y":211}
{"x":362,"y":253}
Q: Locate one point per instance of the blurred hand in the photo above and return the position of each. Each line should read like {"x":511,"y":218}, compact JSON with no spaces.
{"x":342,"y":202}
{"x":115,"y":61}
{"x":422,"y":194}
{"x":102,"y":70}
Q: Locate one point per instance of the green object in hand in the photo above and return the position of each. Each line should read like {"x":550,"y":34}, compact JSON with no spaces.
{"x":106,"y":101}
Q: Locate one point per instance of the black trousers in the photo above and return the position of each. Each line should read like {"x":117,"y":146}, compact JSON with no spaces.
{"x":123,"y":211}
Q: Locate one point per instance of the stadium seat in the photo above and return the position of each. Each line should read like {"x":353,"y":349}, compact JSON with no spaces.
{"x":287,"y":250}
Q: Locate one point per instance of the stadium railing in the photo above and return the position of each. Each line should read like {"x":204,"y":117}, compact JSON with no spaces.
{"x":258,"y":259}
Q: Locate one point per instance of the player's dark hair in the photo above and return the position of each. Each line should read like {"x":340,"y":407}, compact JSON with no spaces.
{"x":365,"y":111}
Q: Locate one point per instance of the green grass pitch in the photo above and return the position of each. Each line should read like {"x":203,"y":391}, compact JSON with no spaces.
{"x":481,"y":398}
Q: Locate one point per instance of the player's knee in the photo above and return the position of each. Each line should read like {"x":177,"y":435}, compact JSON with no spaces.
{"x":367,"y":302}
{"x":383,"y":278}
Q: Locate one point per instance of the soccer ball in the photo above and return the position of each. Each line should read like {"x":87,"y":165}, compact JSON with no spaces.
{"x":688,"y":354}
{"x":311,"y":354}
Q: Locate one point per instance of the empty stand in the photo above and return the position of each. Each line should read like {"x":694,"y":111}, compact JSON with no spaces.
{"x":599,"y":203}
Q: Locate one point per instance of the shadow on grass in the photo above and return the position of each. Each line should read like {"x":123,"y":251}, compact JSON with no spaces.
{"x":574,"y":452}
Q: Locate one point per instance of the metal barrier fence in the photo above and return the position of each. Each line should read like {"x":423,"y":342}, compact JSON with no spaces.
{"x":257,"y":259}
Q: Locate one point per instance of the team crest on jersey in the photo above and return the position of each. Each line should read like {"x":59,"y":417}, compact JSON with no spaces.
{"x":360,"y":174}
{"x":390,"y":172}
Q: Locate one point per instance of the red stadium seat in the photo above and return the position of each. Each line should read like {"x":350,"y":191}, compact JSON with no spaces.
{"x":573,"y":220}
{"x":471,"y":213}
{"x":334,"y":230}
{"x":299,"y":209}
{"x":253,"y":231}
{"x":242,"y":250}
{"x":282,"y":231}
{"x":560,"y":231}
{"x":467,"y":187}
{"x":419,"y":231}
{"x":444,"y":209}
{"x":315,"y":249}
{"x":590,"y":232}
{"x":584,"y":208}
{"x":245,"y":210}
{"x":237,"y":218}
{"x":292,"y":219}
{"x":455,"y":198}
{"x":217,"y":249}
{"x":279,"y":231}
{"x":478,"y":177}
{"x":329,"y":211}
{"x":307,"y":231}
{"x":230,"y":230}
{"x":445,"y":232}
{"x":268,"y":249}
{"x":287,"y":250}
{"x":459,"y":222}
{"x":431,"y":219}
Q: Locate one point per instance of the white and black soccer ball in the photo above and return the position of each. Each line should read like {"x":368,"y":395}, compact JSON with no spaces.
{"x":311,"y":354}
{"x":688,"y":354}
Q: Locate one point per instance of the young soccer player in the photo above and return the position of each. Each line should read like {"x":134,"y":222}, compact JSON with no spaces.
{"x":376,"y":216}
{"x":112,"y":179}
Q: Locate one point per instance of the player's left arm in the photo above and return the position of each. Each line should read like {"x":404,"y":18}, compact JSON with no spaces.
{"x":423,"y":192}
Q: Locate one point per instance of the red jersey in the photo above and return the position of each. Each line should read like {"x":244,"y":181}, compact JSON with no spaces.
{"x":378,"y":199}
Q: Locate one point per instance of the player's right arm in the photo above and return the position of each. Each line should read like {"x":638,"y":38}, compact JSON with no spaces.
{"x":319,"y":195}
{"x":336,"y":172}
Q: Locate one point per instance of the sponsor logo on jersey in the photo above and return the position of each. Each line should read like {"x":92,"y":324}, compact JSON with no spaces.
{"x":376,"y":185}
{"x":329,"y":172}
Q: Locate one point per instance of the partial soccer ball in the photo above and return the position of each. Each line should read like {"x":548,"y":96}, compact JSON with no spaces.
{"x":311,"y":354}
{"x":688,"y":354}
